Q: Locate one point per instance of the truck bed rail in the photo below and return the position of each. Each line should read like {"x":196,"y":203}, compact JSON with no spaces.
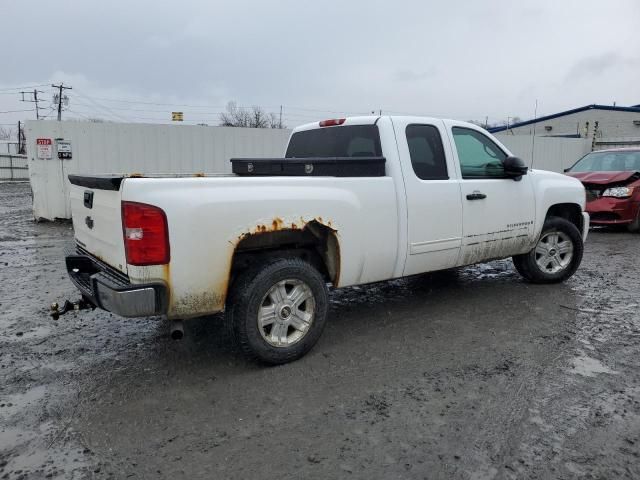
{"x":311,"y":166}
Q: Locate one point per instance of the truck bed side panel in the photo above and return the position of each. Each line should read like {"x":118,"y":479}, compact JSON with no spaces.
{"x":208,"y":217}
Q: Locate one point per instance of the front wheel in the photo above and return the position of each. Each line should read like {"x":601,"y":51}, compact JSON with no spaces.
{"x":556,"y":256}
{"x":277,"y":310}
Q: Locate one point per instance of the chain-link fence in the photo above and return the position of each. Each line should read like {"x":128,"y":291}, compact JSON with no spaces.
{"x":13,"y":167}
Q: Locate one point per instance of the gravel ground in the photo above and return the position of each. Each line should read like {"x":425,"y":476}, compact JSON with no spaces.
{"x":463,"y":374}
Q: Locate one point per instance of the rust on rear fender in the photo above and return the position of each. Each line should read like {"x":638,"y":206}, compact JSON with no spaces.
{"x":212,"y":298}
{"x":294,"y":224}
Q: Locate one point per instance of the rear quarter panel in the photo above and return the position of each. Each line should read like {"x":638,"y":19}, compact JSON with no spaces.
{"x":207,"y":218}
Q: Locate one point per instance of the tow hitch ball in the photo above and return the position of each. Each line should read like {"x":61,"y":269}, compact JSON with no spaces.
{"x":68,"y":306}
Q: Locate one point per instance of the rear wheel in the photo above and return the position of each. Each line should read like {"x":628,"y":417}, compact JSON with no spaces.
{"x":277,"y":310}
{"x":556,"y":256}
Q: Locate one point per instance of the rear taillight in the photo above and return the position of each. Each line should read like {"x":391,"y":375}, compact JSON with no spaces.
{"x":333,"y":122}
{"x":146,"y":236}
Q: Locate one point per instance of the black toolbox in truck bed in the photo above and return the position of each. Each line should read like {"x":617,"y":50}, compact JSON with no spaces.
{"x":310,"y":167}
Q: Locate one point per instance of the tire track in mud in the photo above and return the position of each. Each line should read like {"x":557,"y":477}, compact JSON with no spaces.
{"x":586,"y":405}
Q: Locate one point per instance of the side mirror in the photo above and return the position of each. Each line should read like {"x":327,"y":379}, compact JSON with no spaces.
{"x":515,"y":167}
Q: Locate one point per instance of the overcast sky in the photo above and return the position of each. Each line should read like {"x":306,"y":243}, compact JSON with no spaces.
{"x":457,"y":59}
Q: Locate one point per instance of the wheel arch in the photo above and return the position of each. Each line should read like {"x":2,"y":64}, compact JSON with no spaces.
{"x":314,"y":242}
{"x":569,"y":211}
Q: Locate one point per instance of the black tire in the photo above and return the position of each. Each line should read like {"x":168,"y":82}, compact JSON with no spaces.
{"x":634,"y":227}
{"x":528,"y":265}
{"x":248,"y":296}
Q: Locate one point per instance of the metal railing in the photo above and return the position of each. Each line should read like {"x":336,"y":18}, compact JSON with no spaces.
{"x":13,"y":167}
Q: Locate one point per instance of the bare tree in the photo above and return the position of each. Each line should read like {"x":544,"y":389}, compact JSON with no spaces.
{"x":5,"y":133}
{"x":255,"y":117}
{"x":501,"y":123}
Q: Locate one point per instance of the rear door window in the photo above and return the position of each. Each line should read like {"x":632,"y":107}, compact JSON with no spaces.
{"x":348,"y":141}
{"x":426,"y":152}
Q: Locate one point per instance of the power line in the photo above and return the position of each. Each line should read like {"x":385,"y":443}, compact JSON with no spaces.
{"x":51,"y":109}
{"x":290,"y":110}
{"x":151,"y":111}
{"x":139,"y":102}
{"x":103,"y":108}
{"x":78,"y":113}
{"x":196,"y":113}
{"x":16,"y":111}
{"x":289,"y":113}
{"x":20,"y":88}
{"x":275,"y":108}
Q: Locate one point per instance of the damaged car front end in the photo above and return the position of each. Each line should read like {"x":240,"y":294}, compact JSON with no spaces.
{"x":612,"y":182}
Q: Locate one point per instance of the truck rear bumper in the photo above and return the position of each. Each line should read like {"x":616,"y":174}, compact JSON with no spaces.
{"x":111,"y":290}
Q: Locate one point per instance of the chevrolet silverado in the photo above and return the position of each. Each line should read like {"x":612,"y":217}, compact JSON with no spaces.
{"x":353,"y":201}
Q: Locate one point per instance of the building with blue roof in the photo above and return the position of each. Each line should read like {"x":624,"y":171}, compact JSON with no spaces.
{"x":609,"y":125}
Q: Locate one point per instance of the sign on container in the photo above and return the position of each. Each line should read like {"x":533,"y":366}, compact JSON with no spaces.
{"x":45,"y":148}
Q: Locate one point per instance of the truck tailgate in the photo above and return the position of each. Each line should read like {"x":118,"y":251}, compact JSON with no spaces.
{"x":97,"y":217}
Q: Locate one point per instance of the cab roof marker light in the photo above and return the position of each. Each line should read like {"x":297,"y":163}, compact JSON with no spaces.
{"x":332,"y":122}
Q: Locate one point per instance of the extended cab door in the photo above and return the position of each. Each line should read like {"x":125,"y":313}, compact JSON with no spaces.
{"x":434,"y":208}
{"x":498,"y":213}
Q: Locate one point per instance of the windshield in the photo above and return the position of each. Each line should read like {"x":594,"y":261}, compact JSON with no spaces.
{"x":350,"y":141}
{"x":608,"y":162}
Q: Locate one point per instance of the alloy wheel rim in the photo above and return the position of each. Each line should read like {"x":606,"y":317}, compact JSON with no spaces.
{"x":554,"y":252}
{"x":286,"y":313}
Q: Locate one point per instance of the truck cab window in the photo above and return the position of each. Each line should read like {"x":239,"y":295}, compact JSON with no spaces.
{"x":426,"y":152}
{"x":361,"y":147}
{"x":347,"y":141}
{"x":479,"y":156}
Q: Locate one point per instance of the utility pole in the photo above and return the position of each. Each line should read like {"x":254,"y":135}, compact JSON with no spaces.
{"x":33,"y":99}
{"x":60,"y":88}
{"x":533,"y":137}
{"x":280,"y":122}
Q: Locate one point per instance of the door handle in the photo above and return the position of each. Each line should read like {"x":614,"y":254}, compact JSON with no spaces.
{"x":476,"y":196}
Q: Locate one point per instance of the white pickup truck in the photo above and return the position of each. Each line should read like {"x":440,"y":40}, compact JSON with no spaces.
{"x":354,"y":201}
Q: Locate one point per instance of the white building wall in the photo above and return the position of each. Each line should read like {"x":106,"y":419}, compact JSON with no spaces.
{"x":546,"y":153}
{"x":610,"y":124}
{"x":136,"y":148}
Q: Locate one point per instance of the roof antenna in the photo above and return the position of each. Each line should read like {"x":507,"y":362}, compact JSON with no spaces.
{"x":533,"y":138}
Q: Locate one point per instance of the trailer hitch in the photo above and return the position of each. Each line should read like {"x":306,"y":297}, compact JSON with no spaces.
{"x":67,"y":306}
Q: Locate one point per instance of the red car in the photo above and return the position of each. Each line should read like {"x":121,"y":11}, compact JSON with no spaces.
{"x":612,"y":181}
